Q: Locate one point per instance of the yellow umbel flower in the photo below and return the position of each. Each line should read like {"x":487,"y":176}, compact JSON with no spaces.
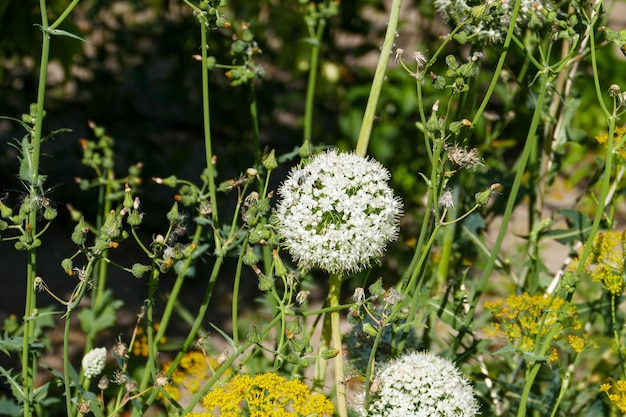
{"x":194,"y":369}
{"x":619,"y":148}
{"x":265,"y":395}
{"x":525,"y":319}
{"x":616,"y":393}
{"x":605,"y":264}
{"x":140,"y":347}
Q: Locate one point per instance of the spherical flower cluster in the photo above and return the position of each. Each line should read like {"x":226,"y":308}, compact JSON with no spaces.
{"x":337,"y":212}
{"x":93,"y":362}
{"x":489,"y":21}
{"x":265,"y":395}
{"x":420,"y":384}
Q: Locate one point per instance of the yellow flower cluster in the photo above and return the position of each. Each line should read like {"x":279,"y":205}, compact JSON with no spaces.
{"x":140,"y":346}
{"x":193,"y":370}
{"x":616,"y":393}
{"x":620,"y":131}
{"x":265,"y":395}
{"x":525,"y":319}
{"x":605,"y":264}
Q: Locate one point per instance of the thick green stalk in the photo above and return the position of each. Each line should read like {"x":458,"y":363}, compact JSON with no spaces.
{"x":207,"y":130}
{"x":29,"y":368}
{"x":335,"y":324}
{"x":310,"y":89}
{"x":234,"y":308}
{"x":254,"y":114}
{"x":379,"y":77}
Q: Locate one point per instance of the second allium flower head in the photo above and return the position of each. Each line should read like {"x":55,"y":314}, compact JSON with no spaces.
{"x":420,"y":384}
{"x":337,"y":212}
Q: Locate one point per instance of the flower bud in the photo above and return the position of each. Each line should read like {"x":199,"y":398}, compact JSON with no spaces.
{"x":269,"y":162}
{"x":134,"y":218}
{"x":265,"y":283}
{"x":138,"y":270}
{"x":370,"y":330}
{"x":169,"y":181}
{"x":93,"y":362}
{"x":305,"y":150}
{"x":253,"y":335}
{"x":5,"y":211}
{"x":249,"y":257}
{"x":67,"y":266}
{"x":279,"y":267}
{"x":173,"y":215}
{"x":329,"y":353}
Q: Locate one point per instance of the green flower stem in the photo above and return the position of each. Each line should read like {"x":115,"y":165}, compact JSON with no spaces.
{"x":496,"y":73}
{"x":207,"y":132}
{"x":254,"y":114}
{"x":616,"y":335}
{"x":312,"y":81}
{"x":319,"y":379}
{"x":234,"y":308}
{"x":379,"y":77}
{"x":171,"y":302}
{"x":65,"y":13}
{"x":193,"y":332}
{"x":530,"y":144}
{"x":335,"y":321}
{"x":604,"y":190}
{"x":73,"y":303}
{"x":446,"y":247}
{"x":29,"y":368}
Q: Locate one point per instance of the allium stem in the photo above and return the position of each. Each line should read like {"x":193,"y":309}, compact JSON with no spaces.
{"x":379,"y":77}
{"x":340,"y":386}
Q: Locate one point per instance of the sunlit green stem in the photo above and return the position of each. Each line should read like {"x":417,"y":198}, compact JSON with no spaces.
{"x":334,"y":290}
{"x":379,"y":77}
{"x":311,"y":85}
{"x":207,"y":131}
{"x":29,"y":368}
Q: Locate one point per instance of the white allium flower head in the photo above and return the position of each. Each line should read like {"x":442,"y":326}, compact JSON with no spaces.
{"x":421,"y":384}
{"x":93,"y":362}
{"x":337,"y":212}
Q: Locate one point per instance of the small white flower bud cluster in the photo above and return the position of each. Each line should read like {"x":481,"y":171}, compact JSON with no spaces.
{"x":93,"y":362}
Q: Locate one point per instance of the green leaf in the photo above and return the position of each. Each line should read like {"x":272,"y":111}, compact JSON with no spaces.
{"x":10,"y":344}
{"x":16,"y":388}
{"x":92,"y":321}
{"x":224,"y":335}
{"x":59,"y":32}
{"x":579,"y":227}
{"x":10,"y":408}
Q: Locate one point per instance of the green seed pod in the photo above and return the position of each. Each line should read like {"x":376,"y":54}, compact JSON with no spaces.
{"x":50,"y":213}
{"x":370,"y":330}
{"x":253,"y":335}
{"x":269,"y":162}
{"x":134,"y":218}
{"x":249,"y":257}
{"x":329,"y":353}
{"x":265,"y":283}
{"x":173,"y":215}
{"x":79,"y":235}
{"x":138,"y":270}
{"x":294,"y":326}
{"x":305,"y":150}
{"x":5,"y":211}
{"x":67,"y":266}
